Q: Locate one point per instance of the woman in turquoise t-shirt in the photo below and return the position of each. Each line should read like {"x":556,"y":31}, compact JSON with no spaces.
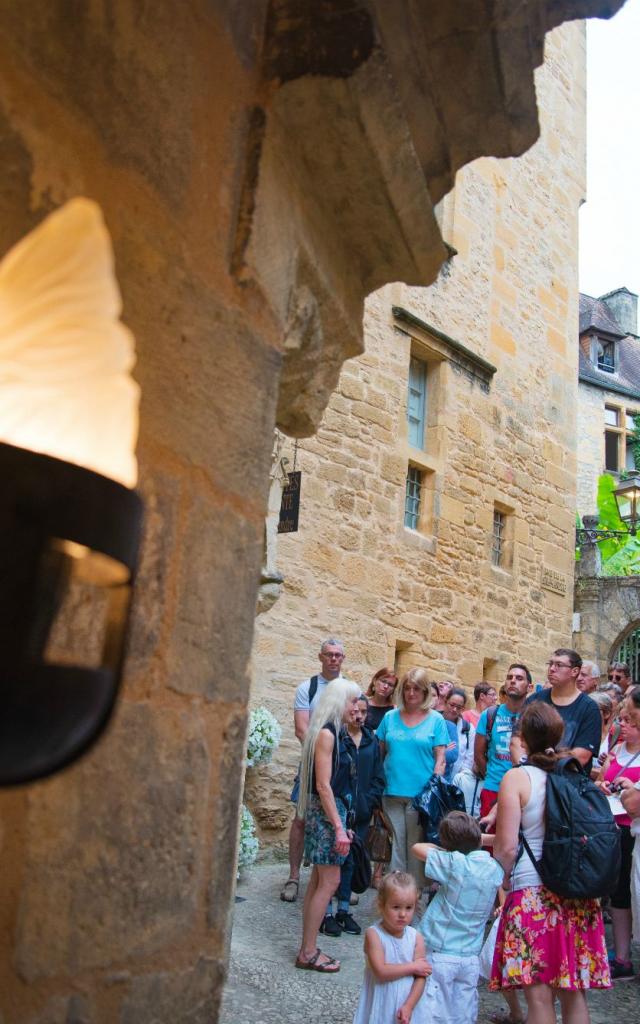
{"x":412,"y":739}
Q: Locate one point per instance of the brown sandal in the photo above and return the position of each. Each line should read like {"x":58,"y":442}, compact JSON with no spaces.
{"x":328,"y":966}
{"x":290,"y":890}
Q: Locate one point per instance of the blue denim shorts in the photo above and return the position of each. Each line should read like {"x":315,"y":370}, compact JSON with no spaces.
{"x":295,"y":792}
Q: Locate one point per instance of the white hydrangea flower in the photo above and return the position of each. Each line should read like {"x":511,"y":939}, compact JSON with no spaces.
{"x":249,"y":845}
{"x":264,"y":736}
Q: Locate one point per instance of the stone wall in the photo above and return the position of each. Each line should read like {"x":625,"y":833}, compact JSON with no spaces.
{"x":432,"y":596}
{"x":609,"y":610}
{"x":591,"y":403}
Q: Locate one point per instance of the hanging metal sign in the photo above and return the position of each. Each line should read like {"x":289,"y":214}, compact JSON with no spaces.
{"x":290,"y":505}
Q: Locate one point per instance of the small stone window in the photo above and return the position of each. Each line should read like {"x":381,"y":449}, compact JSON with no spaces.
{"x":412,"y":500}
{"x":501,"y":538}
{"x":499,"y":527}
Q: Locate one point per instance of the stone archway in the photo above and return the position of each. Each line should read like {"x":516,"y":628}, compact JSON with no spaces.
{"x":609,"y":612}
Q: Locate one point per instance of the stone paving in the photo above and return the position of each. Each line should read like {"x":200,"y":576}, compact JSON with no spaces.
{"x":264,"y":987}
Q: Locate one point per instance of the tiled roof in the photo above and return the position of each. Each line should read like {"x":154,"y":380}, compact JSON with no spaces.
{"x":595,"y":316}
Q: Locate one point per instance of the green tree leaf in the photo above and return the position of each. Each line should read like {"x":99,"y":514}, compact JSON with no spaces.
{"x":609,"y":518}
{"x":625,"y":562}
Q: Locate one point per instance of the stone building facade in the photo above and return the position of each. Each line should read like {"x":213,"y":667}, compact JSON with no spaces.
{"x":262,"y":167}
{"x":607,"y":609}
{"x":495,"y":452}
{"x":608,"y":390}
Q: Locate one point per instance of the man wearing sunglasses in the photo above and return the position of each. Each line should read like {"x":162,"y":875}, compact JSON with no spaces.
{"x":620,"y":674}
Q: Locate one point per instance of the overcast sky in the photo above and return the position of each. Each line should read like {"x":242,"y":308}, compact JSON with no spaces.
{"x":610,"y":219}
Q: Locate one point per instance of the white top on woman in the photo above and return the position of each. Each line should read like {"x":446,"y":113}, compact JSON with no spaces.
{"x":524,"y":873}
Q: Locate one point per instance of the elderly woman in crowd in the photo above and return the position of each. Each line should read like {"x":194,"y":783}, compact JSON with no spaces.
{"x":610,"y":731}
{"x":613,"y":691}
{"x":413,"y":739}
{"x":327,"y":790}
{"x":380,"y":696}
{"x":549,"y":946}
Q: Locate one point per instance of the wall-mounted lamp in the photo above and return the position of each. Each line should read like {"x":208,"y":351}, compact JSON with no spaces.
{"x":627,"y":495}
{"x":69,"y":518}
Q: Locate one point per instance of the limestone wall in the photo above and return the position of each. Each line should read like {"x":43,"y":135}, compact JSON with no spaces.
{"x":591,"y":402}
{"x":432,"y":597}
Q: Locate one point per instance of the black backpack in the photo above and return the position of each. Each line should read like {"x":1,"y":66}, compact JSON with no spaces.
{"x":581,"y":849}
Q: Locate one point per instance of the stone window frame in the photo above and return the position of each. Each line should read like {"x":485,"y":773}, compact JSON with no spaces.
{"x":439,"y":352}
{"x":621,"y":431}
{"x":505,"y":567}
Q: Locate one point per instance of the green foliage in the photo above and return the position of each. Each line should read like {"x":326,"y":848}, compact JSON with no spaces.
{"x":608,"y":518}
{"x":620,"y":555}
{"x":626,"y":561}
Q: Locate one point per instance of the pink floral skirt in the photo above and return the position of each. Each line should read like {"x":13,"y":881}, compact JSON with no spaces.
{"x":544,"y":939}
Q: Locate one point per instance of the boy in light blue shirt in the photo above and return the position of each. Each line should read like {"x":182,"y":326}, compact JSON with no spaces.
{"x":454,"y":922}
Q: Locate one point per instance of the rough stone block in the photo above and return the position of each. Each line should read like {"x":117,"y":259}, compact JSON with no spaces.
{"x":215,"y":605}
{"x":189,"y":996}
{"x":113,"y":868}
{"x":161,"y":495}
{"x":230,"y":753}
{"x":557,"y":341}
{"x":441,"y":634}
{"x":452,"y":510}
{"x":502,"y":338}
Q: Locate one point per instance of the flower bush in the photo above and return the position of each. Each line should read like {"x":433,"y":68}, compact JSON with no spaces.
{"x":249,"y":845}
{"x":264,"y":736}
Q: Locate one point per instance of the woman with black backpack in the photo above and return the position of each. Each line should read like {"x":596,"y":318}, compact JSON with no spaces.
{"x":548,"y":945}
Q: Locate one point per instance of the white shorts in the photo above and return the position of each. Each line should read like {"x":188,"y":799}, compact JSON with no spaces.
{"x":451,"y":993}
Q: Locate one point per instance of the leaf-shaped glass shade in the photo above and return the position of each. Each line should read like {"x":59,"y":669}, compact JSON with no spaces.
{"x":65,"y":356}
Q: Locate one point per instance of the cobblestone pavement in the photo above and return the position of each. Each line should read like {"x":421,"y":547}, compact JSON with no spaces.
{"x":264,"y":987}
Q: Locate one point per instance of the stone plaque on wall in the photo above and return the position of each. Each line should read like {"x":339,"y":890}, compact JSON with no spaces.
{"x":555,"y":581}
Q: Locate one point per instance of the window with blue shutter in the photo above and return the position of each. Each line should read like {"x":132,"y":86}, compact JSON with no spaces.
{"x":417,"y":402}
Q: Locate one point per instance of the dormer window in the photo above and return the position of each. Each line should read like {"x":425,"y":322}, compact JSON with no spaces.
{"x":605,"y":355}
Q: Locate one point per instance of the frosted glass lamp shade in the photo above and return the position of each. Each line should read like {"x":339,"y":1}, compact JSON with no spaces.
{"x":65,"y":356}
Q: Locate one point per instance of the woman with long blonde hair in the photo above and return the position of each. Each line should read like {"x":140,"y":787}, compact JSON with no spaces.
{"x":327,"y":788}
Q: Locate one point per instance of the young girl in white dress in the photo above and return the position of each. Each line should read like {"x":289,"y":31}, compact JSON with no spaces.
{"x":396,"y":969}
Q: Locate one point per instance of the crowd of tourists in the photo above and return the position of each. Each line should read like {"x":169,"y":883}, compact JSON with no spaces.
{"x":494,"y":863}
